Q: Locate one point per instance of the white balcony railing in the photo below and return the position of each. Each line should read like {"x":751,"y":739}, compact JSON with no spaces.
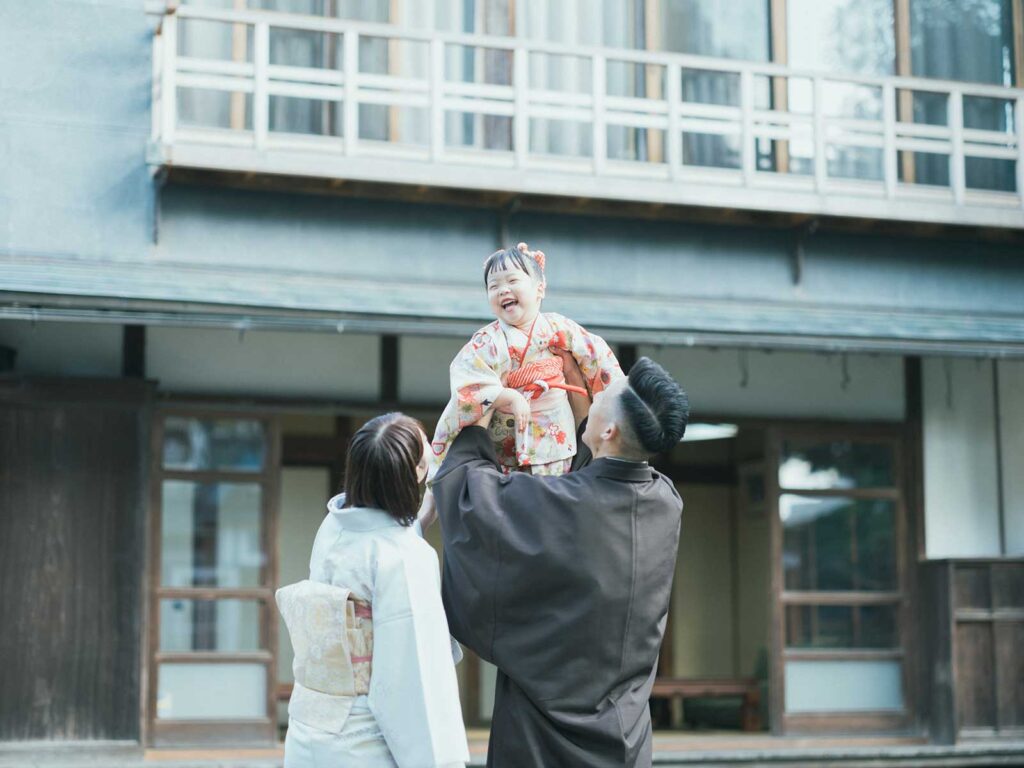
{"x":387,"y":104}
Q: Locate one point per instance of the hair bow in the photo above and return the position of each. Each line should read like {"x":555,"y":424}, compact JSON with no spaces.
{"x":537,"y":256}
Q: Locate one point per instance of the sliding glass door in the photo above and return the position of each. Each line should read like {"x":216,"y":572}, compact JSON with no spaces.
{"x":212,"y":617}
{"x":838,"y":541}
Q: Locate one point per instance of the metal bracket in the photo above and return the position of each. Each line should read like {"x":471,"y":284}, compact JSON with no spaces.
{"x":504,"y":219}
{"x":159,"y":180}
{"x":803,"y":232}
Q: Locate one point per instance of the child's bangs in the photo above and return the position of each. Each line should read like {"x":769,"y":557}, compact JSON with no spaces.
{"x":510,"y":258}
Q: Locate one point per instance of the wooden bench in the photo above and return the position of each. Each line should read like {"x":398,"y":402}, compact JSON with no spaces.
{"x":746,"y":688}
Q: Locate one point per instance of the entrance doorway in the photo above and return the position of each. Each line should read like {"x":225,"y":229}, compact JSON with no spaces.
{"x":789,"y":603}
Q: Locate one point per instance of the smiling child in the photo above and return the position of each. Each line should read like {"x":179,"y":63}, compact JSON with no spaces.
{"x":509,"y":365}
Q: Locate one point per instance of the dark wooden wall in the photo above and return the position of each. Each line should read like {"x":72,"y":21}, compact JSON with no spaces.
{"x":72,"y":517}
{"x":975,"y":648}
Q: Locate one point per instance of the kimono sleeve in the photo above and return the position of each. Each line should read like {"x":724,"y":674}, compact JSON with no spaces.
{"x":414,"y":695}
{"x":475,"y":378}
{"x":475,"y":384}
{"x":467,"y":491}
{"x":596,"y":359}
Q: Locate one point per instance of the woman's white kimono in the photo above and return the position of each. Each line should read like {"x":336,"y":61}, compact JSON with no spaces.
{"x":411,"y":716}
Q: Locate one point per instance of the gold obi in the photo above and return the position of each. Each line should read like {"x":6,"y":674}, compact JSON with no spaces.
{"x":332,"y":634}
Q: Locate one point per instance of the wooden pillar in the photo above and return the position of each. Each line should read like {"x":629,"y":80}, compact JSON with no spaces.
{"x":904,"y":98}
{"x":780,"y":85}
{"x":239,"y":51}
{"x":133,"y":352}
{"x":627,"y":356}
{"x":654,"y":80}
{"x":389,"y":351}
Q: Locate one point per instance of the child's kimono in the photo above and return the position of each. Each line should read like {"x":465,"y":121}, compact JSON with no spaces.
{"x":482,"y":370}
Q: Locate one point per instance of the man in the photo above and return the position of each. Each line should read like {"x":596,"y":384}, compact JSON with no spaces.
{"x":563,"y":582}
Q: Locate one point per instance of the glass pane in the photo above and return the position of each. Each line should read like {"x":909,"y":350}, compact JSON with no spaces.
{"x":878,"y":626}
{"x":841,"y":626}
{"x":223,"y":41}
{"x":211,"y":691}
{"x":206,"y":108}
{"x":811,"y":465}
{"x":211,"y":534}
{"x":311,"y":117}
{"x":560,"y":137}
{"x":838,"y":544}
{"x":854,"y":36}
{"x":555,"y":72}
{"x":843,"y":686}
{"x":738,"y":29}
{"x":711,"y":150}
{"x":643,"y":145}
{"x":210,"y":625}
{"x":214,"y":444}
{"x":962,"y":41}
{"x":305,"y":48}
{"x":991,"y":173}
{"x":707,"y":87}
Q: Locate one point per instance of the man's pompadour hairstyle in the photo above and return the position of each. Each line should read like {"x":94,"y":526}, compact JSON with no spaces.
{"x":655,"y":406}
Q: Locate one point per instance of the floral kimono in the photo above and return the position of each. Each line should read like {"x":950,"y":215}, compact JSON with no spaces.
{"x":482,"y":369}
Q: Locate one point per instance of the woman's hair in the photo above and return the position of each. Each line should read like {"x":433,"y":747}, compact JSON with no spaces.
{"x":380,"y":468}
{"x":655,"y":407}
{"x":513,"y":258}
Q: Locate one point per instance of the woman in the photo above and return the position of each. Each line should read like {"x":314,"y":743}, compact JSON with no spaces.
{"x":374,"y":672}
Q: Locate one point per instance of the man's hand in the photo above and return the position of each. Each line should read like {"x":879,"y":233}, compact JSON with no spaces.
{"x":427,"y":513}
{"x":485,"y":420}
{"x":574,"y":377}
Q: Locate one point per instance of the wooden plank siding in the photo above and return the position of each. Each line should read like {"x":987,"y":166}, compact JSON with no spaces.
{"x":71,"y":556}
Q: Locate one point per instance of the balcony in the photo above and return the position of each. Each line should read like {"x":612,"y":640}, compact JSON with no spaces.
{"x":382,"y":104}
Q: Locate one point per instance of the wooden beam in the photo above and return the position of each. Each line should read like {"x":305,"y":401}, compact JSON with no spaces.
{"x":389,"y":368}
{"x":133,"y":352}
{"x":627,"y":356}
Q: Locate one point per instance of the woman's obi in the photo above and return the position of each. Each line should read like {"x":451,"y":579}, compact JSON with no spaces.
{"x":332,"y":634}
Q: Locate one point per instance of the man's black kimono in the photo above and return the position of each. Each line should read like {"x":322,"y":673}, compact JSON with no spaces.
{"x":563,"y":583}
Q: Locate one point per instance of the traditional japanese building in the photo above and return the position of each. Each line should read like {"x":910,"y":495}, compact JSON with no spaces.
{"x":232,"y":230}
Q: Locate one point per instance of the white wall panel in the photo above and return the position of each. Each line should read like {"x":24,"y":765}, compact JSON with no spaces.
{"x":786,"y":384}
{"x":318,"y":365}
{"x":423,"y":368}
{"x":1011,"y":412}
{"x":960,"y":492}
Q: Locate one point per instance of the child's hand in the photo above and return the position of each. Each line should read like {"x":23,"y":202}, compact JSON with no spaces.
{"x":520,"y":409}
{"x":513,"y":400}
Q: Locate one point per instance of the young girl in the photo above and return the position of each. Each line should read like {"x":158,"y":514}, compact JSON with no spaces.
{"x":509,"y":365}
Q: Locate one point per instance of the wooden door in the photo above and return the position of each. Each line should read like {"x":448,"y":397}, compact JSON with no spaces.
{"x":72,"y":513}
